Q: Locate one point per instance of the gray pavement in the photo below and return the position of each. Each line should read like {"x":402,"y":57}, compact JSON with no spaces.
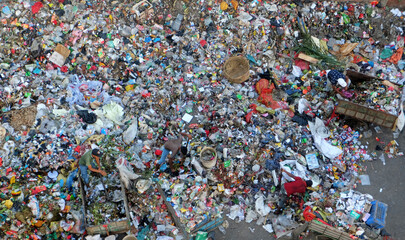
{"x":388,"y":182}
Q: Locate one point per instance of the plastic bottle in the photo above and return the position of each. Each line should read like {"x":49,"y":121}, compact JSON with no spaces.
{"x":382,"y":158}
{"x":222,"y":229}
{"x":177,"y":23}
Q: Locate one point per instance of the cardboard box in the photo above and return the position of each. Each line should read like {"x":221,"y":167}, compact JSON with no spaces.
{"x":59,"y":55}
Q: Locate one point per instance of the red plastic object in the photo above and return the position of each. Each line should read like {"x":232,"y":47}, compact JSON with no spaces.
{"x":36,"y":7}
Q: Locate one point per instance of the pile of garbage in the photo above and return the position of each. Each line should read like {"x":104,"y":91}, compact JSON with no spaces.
{"x":126,"y":76}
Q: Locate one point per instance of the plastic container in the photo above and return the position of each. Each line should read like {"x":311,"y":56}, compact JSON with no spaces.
{"x":378,"y":213}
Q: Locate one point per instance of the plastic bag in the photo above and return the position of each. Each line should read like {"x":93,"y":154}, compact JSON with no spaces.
{"x":250,"y":216}
{"x":236,"y":211}
{"x":95,"y":237}
{"x":297,"y":72}
{"x":164,"y":238}
{"x":201,"y":235}
{"x":130,"y":134}
{"x":397,"y":56}
{"x":34,"y":205}
{"x":382,"y":158}
{"x":323,"y":146}
{"x":114,"y":112}
{"x":268,"y":228}
{"x":143,"y":185}
{"x":126,"y":171}
{"x":8,"y":147}
{"x":262,"y":208}
{"x":401,"y":118}
{"x":281,"y":224}
{"x":262,"y":84}
{"x":266,"y":98}
{"x":298,"y":171}
{"x":303,"y":105}
{"x":386,"y":53}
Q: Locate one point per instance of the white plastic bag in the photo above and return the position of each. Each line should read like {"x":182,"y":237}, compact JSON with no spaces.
{"x":303,"y":105}
{"x":319,"y":134}
{"x":126,"y":172}
{"x":260,"y":207}
{"x":9,"y":147}
{"x":114,"y":112}
{"x":236,"y":211}
{"x":130,"y":134}
{"x":382,"y":158}
{"x":268,"y":228}
{"x":297,"y":71}
{"x":95,"y":237}
{"x":298,"y":171}
{"x":401,"y":119}
{"x":250,"y":216}
{"x":34,"y":205}
{"x":164,"y":238}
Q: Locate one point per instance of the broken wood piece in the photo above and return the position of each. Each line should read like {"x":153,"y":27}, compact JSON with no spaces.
{"x":390,"y":84}
{"x":307,"y":58}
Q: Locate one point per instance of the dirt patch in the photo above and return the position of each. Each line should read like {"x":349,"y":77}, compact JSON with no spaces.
{"x":23,"y":117}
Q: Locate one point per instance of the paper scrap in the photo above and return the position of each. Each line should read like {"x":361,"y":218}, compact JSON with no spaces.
{"x":187,"y":118}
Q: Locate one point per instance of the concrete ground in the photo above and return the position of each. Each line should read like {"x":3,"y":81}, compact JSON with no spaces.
{"x":243,"y":230}
{"x":387,"y":185}
{"x":388,"y":182}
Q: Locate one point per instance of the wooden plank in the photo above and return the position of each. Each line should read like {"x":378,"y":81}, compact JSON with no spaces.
{"x":83,"y":198}
{"x":125,"y":200}
{"x":172,"y":212}
{"x":358,"y":77}
{"x":390,"y":84}
{"x":307,"y":58}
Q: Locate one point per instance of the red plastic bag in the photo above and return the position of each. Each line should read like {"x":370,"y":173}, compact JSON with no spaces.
{"x":36,"y":7}
{"x":248,"y":116}
{"x":308,"y":214}
{"x":397,"y":56}
{"x":304,"y":65}
{"x":262,"y":84}
{"x":266,"y":98}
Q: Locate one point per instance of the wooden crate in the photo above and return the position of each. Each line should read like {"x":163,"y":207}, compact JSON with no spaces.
{"x":109,"y":228}
{"x":366,"y":114}
{"x":328,"y":231}
{"x":356,"y":77}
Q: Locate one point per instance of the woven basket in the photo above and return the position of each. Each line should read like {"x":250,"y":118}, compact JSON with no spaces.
{"x":236,"y":69}
{"x":129,"y":237}
{"x":212,"y":162}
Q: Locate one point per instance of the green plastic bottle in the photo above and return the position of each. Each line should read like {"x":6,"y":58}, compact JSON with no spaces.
{"x":346,"y":18}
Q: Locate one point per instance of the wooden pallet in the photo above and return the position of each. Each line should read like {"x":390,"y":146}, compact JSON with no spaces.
{"x":328,"y":231}
{"x":366,"y":114}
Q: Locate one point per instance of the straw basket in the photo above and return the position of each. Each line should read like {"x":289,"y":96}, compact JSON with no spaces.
{"x":236,"y":69}
{"x":212,"y":161}
{"x":129,"y":237}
